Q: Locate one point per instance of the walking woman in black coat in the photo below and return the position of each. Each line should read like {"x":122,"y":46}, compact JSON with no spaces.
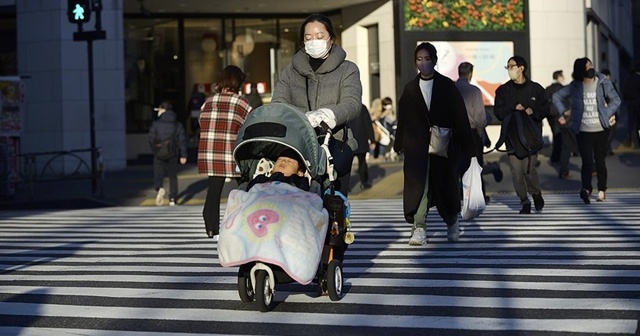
{"x":362,"y":129}
{"x":427,"y":100}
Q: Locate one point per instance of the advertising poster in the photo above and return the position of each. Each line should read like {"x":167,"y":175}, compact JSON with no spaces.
{"x":488,"y":59}
{"x":11,"y":96}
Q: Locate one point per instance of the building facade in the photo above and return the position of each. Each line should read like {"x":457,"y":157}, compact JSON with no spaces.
{"x":150,"y":55}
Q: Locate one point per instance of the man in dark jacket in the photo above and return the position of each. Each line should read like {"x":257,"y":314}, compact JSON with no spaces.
{"x":564,"y":140}
{"x":521,"y":98}
{"x":558,"y":79}
{"x":168,"y":143}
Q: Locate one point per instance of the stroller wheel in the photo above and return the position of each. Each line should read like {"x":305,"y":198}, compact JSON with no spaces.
{"x":334,"y":280}
{"x":264,"y":294}
{"x":245,"y":289}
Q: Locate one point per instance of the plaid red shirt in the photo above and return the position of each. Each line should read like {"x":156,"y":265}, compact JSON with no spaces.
{"x":221,"y":117}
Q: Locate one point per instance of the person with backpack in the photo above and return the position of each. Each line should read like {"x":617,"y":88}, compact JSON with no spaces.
{"x":168,"y":142}
{"x":521,"y":106}
{"x":593,"y":102}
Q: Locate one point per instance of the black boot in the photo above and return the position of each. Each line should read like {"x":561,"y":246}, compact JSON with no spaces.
{"x":538,"y":201}
{"x":585,"y":195}
{"x":526,"y":209}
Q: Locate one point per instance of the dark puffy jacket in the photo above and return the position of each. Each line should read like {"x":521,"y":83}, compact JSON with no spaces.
{"x":528,"y":94}
{"x":164,"y":128}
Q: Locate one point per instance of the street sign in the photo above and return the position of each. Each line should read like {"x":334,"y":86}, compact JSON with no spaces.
{"x":79,"y":11}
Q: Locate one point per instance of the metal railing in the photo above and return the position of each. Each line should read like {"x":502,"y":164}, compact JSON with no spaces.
{"x":32,"y":168}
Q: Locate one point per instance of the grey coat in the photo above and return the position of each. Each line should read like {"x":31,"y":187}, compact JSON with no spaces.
{"x":335,"y":85}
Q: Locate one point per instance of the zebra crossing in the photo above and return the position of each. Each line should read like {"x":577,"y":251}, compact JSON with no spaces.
{"x":573,"y":269}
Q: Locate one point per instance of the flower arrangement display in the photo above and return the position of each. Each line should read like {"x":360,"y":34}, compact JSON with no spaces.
{"x":464,"y":15}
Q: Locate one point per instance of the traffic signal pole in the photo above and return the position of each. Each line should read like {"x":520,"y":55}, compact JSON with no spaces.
{"x":92,"y":122}
{"x":89,"y":36}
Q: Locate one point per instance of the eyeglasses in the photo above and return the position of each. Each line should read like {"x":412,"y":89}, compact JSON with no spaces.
{"x":509,"y":66}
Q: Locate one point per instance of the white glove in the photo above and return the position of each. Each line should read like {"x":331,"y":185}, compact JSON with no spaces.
{"x":320,"y":115}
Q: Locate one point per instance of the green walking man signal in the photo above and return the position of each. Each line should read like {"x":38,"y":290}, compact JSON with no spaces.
{"x":79,"y":11}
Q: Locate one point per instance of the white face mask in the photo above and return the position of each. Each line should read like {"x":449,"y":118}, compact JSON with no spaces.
{"x":514,"y":73}
{"x":316,"y":48}
{"x":388,"y":107}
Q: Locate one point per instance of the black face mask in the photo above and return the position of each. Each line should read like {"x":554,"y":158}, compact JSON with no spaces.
{"x":590,"y":73}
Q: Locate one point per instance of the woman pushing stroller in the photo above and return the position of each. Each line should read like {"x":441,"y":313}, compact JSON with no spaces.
{"x":321,"y":82}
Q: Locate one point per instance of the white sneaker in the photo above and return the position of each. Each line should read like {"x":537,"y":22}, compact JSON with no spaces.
{"x":160,"y":197}
{"x":419,"y":237}
{"x":172,"y":202}
{"x":216,"y":238}
{"x":602,"y":197}
{"x":453,"y":232}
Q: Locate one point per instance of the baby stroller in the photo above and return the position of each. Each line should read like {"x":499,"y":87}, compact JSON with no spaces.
{"x":274,"y":232}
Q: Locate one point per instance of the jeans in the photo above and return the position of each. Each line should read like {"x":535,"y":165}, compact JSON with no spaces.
{"x":593,"y":147}
{"x":167,"y":168}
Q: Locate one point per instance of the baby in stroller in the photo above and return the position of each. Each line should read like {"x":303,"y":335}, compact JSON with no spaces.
{"x":284,"y":223}
{"x":288,"y":168}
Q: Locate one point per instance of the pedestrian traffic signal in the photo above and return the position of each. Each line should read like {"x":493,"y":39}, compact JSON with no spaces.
{"x":79,"y":11}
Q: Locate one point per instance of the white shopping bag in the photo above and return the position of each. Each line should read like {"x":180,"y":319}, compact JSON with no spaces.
{"x":472,"y":198}
{"x":385,"y":136}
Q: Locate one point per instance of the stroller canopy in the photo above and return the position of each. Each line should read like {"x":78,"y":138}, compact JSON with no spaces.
{"x":272,"y":128}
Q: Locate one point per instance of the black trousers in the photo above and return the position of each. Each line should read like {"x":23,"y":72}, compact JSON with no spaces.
{"x":593,"y":147}
{"x":168,"y":168}
{"x":568,"y":145}
{"x":363,"y":169}
{"x":211,"y":210}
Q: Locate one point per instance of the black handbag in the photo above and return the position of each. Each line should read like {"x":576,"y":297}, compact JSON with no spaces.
{"x":342,"y":154}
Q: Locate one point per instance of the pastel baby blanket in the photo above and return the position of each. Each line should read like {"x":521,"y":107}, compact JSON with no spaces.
{"x":275,"y":223}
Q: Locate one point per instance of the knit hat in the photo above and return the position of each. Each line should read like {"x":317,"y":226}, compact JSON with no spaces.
{"x":290,"y":153}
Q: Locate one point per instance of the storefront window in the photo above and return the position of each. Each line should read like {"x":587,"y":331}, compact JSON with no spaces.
{"x":152,"y":70}
{"x":252,"y":46}
{"x":260,"y":47}
{"x":8,"y":47}
{"x":204,"y":59}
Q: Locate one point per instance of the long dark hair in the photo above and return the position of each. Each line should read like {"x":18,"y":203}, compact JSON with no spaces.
{"x":318,"y":18}
{"x":579,"y":69}
{"x":231,"y":78}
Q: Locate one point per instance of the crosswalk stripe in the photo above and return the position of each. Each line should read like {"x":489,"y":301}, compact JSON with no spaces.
{"x":139,"y":271}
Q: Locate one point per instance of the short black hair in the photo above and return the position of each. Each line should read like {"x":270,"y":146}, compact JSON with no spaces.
{"x":166,"y":105}
{"x":605,"y":72}
{"x":557,"y":74}
{"x":520,"y":61}
{"x":465,"y":69}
